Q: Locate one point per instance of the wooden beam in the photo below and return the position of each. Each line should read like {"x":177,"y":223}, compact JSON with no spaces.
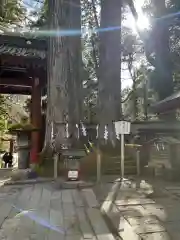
{"x":20,"y":81}
{"x":23,"y":42}
{"x":22,"y":61}
{"x":15,"y":90}
{"x":16,"y":81}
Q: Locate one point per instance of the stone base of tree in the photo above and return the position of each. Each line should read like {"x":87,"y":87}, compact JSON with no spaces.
{"x":73,"y":184}
{"x":22,"y":174}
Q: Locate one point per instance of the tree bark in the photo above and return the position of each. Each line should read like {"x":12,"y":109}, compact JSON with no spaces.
{"x":162,"y":52}
{"x":163,"y":62}
{"x":64,"y":72}
{"x":110,"y":66}
{"x":75,"y":68}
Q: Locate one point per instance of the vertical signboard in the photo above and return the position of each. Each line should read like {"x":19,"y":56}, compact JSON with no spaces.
{"x":122,"y":128}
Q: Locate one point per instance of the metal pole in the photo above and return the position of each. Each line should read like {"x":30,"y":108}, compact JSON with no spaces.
{"x":122,"y":155}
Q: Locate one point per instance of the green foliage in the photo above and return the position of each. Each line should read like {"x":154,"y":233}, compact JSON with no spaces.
{"x":90,"y":51}
{"x":41,"y":16}
{"x":3,"y":113}
{"x":11,"y":13}
{"x":24,"y":125}
{"x":27,"y":105}
{"x":136,"y":100}
{"x":21,"y":127}
{"x":132,"y":51}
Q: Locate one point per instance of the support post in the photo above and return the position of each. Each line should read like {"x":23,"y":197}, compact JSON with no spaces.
{"x":122,"y":156}
{"x":56,"y":159}
{"x":98,"y":166}
{"x":138,"y":162}
{"x":11,"y":145}
{"x":36,"y":120}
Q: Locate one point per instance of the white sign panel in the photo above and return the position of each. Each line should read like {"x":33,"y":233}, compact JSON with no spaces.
{"x":73,"y":175}
{"x":122,"y":127}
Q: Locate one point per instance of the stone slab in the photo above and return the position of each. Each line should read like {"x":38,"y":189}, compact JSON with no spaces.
{"x":5,"y":209}
{"x":71,"y":226}
{"x":56,"y":218}
{"x":35,"y":197}
{"x":53,"y":235}
{"x":84,"y":224}
{"x":71,"y":223}
{"x":156,"y":210}
{"x":127,"y":233}
{"x":148,"y":228}
{"x":90,"y":198}
{"x":156,"y":236}
{"x":76,"y":237}
{"x":56,"y":201}
{"x":134,"y":221}
{"x":137,"y":201}
{"x":76,"y":195}
{"x":99,"y":225}
{"x":130,"y":194}
{"x":138,"y":209}
{"x":68,"y":210}
{"x":46,"y":198}
{"x":44,"y":213}
{"x":67,"y":196}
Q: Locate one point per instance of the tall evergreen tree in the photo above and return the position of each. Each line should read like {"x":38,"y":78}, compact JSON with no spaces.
{"x":64,"y":71}
{"x":110,"y":65}
{"x":161,"y":48}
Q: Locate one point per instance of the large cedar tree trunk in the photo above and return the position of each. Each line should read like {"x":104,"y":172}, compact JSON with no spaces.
{"x":64,"y":71}
{"x":163,"y":64}
{"x":110,"y":66}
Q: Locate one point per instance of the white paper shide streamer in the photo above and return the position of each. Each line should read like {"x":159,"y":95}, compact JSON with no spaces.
{"x":106,"y":134}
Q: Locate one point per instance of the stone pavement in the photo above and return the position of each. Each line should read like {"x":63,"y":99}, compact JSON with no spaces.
{"x":147,"y":212}
{"x":44,"y":212}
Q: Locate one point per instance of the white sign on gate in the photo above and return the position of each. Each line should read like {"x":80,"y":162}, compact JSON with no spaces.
{"x":122,"y":127}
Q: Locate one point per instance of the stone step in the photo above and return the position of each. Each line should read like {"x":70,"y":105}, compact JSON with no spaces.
{"x":129,"y":162}
{"x":127,"y":169}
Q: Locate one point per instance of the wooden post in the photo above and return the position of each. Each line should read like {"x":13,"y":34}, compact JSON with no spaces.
{"x":56,"y":158}
{"x":36,"y":120}
{"x":11,"y":145}
{"x":98,"y":165}
{"x":138,"y":162}
{"x":122,"y":156}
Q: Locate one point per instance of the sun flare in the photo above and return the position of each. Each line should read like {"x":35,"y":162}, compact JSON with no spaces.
{"x":141,"y":25}
{"x":143,"y":22}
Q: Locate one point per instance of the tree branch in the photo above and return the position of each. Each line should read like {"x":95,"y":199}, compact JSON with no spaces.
{"x":135,"y":15}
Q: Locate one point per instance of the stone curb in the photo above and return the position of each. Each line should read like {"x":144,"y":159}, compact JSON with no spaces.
{"x":106,"y":206}
{"x":128,"y":231}
{"x":59,"y":184}
{"x":29,"y":181}
{"x":72,"y":185}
